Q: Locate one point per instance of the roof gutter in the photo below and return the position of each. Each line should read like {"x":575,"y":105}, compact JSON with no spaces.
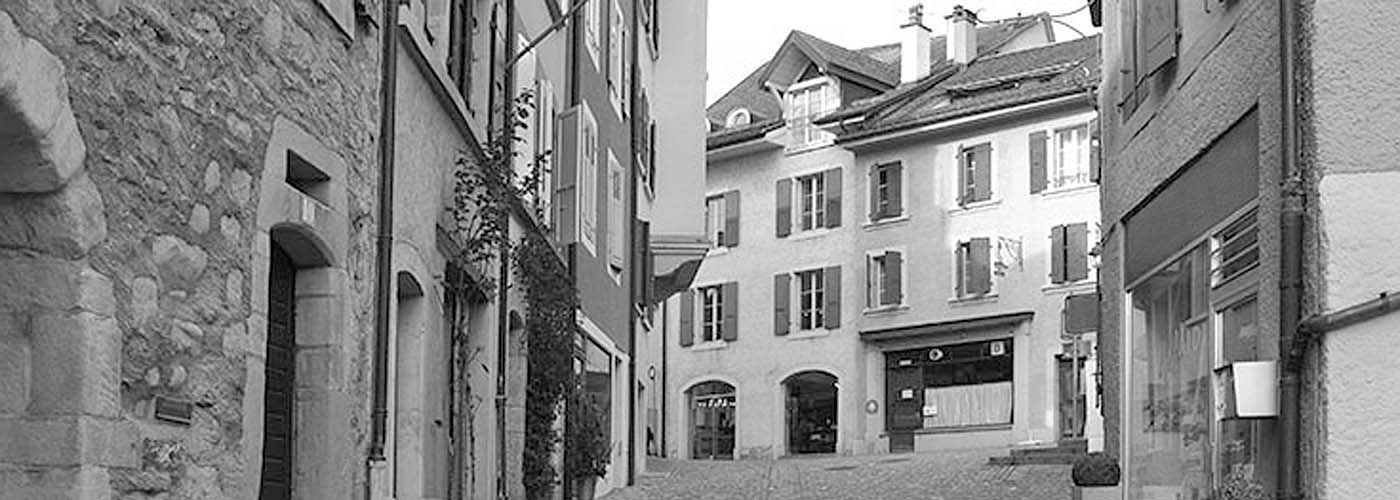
{"x":877,"y":136}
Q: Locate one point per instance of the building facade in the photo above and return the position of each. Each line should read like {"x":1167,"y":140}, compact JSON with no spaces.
{"x":1244,"y":279}
{"x":193,"y":211}
{"x":894,"y":241}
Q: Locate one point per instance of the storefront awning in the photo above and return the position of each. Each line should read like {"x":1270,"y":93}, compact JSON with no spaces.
{"x":946,"y":327}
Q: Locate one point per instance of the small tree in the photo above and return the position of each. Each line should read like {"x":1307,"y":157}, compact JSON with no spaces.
{"x":589,"y":451}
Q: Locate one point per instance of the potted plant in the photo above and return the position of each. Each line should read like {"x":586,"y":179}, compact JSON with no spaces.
{"x":588,"y":450}
{"x":1241,"y":486}
{"x":1096,"y":475}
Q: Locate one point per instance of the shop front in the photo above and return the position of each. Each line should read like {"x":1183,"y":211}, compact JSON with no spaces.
{"x":948,"y":387}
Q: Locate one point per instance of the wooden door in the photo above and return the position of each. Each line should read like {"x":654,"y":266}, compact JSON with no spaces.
{"x":1071,"y":398}
{"x":278,"y":392}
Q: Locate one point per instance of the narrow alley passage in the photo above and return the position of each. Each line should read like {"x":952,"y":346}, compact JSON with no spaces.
{"x":922,"y":476}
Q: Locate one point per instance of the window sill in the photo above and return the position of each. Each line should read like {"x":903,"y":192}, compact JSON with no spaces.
{"x":1068,"y":191}
{"x":808,"y":334}
{"x":975,"y":207}
{"x":712,"y":345}
{"x":803,"y":148}
{"x":886,"y":310}
{"x":1083,"y":285}
{"x":973,"y":300}
{"x":808,"y":234}
{"x":886,"y":222}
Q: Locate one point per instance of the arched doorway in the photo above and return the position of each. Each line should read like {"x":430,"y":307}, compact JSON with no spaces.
{"x":811,"y":412}
{"x":712,"y":406}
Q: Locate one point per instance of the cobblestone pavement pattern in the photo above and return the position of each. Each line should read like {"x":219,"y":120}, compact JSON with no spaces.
{"x":924,"y":476}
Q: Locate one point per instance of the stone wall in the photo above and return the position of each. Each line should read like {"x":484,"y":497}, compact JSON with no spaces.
{"x":129,"y":249}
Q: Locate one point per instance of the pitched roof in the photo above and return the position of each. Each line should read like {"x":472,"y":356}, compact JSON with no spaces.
{"x":992,"y":83}
{"x":880,"y":62}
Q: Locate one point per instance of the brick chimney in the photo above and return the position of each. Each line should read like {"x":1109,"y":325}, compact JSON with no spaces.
{"x":962,"y":35}
{"x":915,"y":57}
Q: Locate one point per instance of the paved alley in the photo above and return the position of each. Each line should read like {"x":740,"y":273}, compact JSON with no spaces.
{"x":924,"y":476}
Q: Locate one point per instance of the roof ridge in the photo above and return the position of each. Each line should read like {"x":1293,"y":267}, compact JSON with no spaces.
{"x":1039,"y":47}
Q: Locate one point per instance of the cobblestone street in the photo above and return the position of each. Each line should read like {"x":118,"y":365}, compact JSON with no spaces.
{"x":925,"y":476}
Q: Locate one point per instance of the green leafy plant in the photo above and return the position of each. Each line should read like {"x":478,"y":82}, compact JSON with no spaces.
{"x":1096,"y":469}
{"x":551,"y":300}
{"x":590,"y":451}
{"x":1242,"y":486}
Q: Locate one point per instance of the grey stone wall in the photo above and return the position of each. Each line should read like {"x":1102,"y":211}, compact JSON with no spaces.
{"x":175,"y":101}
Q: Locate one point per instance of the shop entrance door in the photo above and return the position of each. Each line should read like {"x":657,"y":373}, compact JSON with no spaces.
{"x":1071,"y":397}
{"x":712,"y":416}
{"x":903,"y":404}
{"x":811,"y":413}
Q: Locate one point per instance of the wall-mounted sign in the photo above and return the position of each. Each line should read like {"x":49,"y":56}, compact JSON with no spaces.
{"x":935,"y":354}
{"x":906,"y":394}
{"x":872,"y":406}
{"x":998,"y":348}
{"x":173,"y":410}
{"x":906,"y":362}
{"x":930,"y":411}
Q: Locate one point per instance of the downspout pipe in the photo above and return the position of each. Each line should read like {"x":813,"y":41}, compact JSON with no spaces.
{"x":383,"y":266}
{"x":503,"y":284}
{"x":635,"y":313}
{"x":1294,"y":203}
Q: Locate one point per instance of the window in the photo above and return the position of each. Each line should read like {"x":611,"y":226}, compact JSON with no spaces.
{"x":1235,"y":249}
{"x":884,"y":279}
{"x":711,"y":313}
{"x":886,"y":191}
{"x":617,"y":58}
{"x":974,"y":277}
{"x":806,"y":101}
{"x":459,"y":49}
{"x":527,"y":142}
{"x":588,"y":178}
{"x":592,"y":28}
{"x":722,"y":219}
{"x":738,"y":117}
{"x":545,"y":117}
{"x":811,"y":300}
{"x":974,"y":174}
{"x":1148,"y":42}
{"x":1071,"y":165}
{"x":811,"y":202}
{"x":968,"y":384}
{"x":1069,"y":254}
{"x":617,"y":183}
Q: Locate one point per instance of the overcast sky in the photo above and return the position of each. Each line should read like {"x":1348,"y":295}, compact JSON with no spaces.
{"x":744,"y":33}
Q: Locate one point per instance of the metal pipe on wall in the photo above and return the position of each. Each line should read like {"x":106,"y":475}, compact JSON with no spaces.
{"x":1294,"y":200}
{"x":503,"y":318}
{"x":383,"y":266}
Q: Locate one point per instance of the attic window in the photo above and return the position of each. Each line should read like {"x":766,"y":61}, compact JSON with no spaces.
{"x":738,"y":117}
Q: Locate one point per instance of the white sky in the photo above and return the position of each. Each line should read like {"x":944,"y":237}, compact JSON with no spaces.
{"x":744,"y":33}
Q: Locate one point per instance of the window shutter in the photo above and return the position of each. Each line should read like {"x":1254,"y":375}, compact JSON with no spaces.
{"x":1038,"y":174}
{"x":565,"y":193}
{"x":833,"y":197}
{"x":730,"y":293}
{"x":982,"y":171}
{"x":831,"y":315}
{"x":874,"y":182}
{"x":892,"y":294}
{"x":960,"y":255}
{"x":1057,"y":254}
{"x":1127,"y":85}
{"x":731,"y":219}
{"x":784,"y":215}
{"x":1076,"y":252}
{"x":980,"y":279}
{"x":687,"y":318}
{"x":896,"y":176}
{"x":782,"y":290}
{"x":1156,"y":41}
{"x":964,"y":194}
{"x":1094,"y":150}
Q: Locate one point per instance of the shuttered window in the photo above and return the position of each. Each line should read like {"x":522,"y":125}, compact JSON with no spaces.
{"x":592,"y":29}
{"x":1148,"y":41}
{"x":975,"y":174}
{"x":617,"y":187}
{"x":459,"y":49}
{"x":588,"y":178}
{"x":811,"y":301}
{"x":886,"y":191}
{"x":811,"y":202}
{"x":885,"y":279}
{"x":711,"y":313}
{"x":1069,"y":254}
{"x":717,"y":315}
{"x":974,"y":276}
{"x":817,"y":198}
{"x":722,"y":219}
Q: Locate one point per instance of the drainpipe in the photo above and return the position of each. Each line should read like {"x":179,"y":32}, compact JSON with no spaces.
{"x":388,"y":91}
{"x":503,"y":318}
{"x":634,"y":313}
{"x":1291,"y":265}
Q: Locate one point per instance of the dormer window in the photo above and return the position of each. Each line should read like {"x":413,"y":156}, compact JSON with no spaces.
{"x":738,"y":118}
{"x":807,"y":100}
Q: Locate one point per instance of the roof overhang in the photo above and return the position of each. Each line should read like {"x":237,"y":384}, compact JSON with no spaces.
{"x":769,"y":141}
{"x":922,"y":128}
{"x":947,"y":327}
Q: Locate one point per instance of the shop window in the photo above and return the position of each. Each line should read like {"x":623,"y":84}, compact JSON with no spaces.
{"x":1235,"y":249}
{"x":960,"y":385}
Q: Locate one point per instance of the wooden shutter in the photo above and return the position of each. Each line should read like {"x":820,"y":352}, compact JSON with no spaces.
{"x":831,"y":314}
{"x":784,"y":207}
{"x":731,"y":219}
{"x":982,"y":172}
{"x":1156,"y":40}
{"x":980,"y":273}
{"x":1127,"y":49}
{"x":1038,"y":160}
{"x":960,"y":255}
{"x":833,"y":197}
{"x":892,"y":293}
{"x":687,"y":318}
{"x":875,"y":213}
{"x":566,"y":200}
{"x":1057,"y":254}
{"x":895,"y":172}
{"x":964,"y":194}
{"x":1076,"y":252}
{"x":1094,"y":150}
{"x":730,"y":293}
{"x":782,"y":298}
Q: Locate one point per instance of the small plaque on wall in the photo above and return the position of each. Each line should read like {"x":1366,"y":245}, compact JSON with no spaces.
{"x":174,"y":411}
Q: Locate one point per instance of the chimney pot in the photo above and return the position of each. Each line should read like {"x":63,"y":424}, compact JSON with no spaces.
{"x":915,"y":58}
{"x":962,"y":35}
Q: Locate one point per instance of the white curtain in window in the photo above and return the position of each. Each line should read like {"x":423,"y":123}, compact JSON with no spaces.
{"x":965,"y":405}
